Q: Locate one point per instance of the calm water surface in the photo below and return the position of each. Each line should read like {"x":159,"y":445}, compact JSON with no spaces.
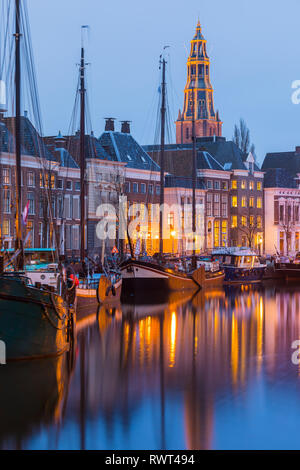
{"x":211,"y":372}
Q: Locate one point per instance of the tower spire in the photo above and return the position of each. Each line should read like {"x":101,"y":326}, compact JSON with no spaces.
{"x":198,"y":95}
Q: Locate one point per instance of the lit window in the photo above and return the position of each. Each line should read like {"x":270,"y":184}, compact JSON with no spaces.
{"x":259,"y":224}
{"x":259,"y":186}
{"x":251,"y":185}
{"x":244,"y":220}
{"x":6,"y":175}
{"x":224,"y":184}
{"x":224,"y":232}
{"x":217,"y":233}
{"x":244,"y":202}
{"x":234,"y":184}
{"x":259,"y":203}
{"x":243,"y":184}
{"x":251,"y":202}
{"x":234,"y":221}
{"x":6,"y":228}
{"x":234,"y":201}
{"x":251,"y":220}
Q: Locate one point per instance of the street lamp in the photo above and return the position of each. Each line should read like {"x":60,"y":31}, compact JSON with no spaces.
{"x":260,"y":240}
{"x":173,"y":233}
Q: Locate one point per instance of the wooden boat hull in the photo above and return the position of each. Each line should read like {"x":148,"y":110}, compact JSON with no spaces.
{"x":87,"y":300}
{"x":141,"y":276}
{"x":33,"y":323}
{"x":214,"y":279}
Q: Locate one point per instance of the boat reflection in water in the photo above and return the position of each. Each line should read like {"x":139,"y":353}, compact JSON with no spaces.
{"x":210,"y":371}
{"x":32,"y":396}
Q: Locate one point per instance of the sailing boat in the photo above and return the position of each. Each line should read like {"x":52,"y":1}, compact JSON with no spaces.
{"x":35,"y":319}
{"x":93,"y":288}
{"x":139,"y":275}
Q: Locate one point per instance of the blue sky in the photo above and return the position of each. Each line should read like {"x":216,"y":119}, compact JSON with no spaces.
{"x":253,"y":47}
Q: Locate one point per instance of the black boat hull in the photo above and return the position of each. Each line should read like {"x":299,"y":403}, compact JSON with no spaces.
{"x":33,"y":323}
{"x":141,"y":276}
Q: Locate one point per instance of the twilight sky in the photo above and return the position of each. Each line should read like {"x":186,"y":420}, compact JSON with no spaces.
{"x":253,"y":46}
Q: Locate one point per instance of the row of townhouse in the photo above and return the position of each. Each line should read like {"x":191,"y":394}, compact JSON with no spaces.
{"x":233,"y":190}
{"x":238,"y":204}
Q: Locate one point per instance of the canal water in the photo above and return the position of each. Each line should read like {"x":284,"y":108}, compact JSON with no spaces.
{"x":210,"y":372}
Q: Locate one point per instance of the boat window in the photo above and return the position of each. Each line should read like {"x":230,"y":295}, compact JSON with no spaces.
{"x":247,"y":259}
{"x":227,"y":260}
{"x":237,"y":260}
{"x":256,"y":260}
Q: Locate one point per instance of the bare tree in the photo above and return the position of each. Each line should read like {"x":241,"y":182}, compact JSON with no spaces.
{"x":287,"y":227}
{"x":251,"y":226}
{"x":241,"y":137}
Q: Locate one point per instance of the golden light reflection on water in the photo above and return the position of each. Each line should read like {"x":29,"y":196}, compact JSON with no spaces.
{"x":234,"y":349}
{"x":202,"y":350}
{"x":172,"y":339}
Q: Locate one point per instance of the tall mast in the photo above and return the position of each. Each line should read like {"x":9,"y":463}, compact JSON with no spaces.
{"x":20,"y":259}
{"x":82,"y":158}
{"x":162,"y":155}
{"x":194,"y":180}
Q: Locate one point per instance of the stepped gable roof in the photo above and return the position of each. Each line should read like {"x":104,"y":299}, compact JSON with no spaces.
{"x":31,"y":142}
{"x":279,"y":178}
{"x":122,"y":147}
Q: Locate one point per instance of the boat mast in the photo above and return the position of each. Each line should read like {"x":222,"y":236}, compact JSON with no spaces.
{"x":82,"y":158}
{"x":19,"y":244}
{"x":194,"y":180}
{"x":162,"y":154}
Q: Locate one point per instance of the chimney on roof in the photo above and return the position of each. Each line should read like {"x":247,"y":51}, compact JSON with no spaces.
{"x":125,"y":128}
{"x":109,"y":124}
{"x":297,"y":151}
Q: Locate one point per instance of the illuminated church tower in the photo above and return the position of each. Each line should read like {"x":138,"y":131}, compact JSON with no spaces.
{"x":198,"y":96}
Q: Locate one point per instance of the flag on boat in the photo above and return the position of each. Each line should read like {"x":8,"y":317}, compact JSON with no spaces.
{"x":25,"y":213}
{"x":114,"y":250}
